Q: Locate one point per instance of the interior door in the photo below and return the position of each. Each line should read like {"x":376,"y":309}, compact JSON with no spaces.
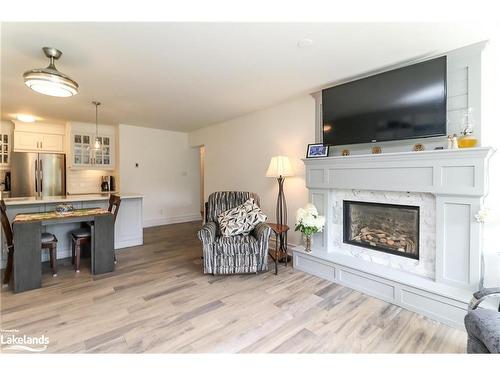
{"x":52,"y":169}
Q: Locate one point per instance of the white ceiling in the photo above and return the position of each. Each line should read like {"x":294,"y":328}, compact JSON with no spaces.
{"x":183,"y":76}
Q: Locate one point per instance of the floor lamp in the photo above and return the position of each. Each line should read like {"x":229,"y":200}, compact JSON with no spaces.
{"x":279,"y":168}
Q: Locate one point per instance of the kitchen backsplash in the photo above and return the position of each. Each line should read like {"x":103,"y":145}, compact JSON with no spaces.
{"x":2,"y":176}
{"x":85,"y":181}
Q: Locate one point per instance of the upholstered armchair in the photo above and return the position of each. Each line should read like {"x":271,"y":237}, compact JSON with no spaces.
{"x":483,"y":325}
{"x":235,"y":254}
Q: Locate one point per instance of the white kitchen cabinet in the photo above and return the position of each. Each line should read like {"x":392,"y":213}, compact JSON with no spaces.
{"x":84,"y":156}
{"x":39,"y":138}
{"x":102,"y":157}
{"x":5,"y":145}
{"x":80,"y":150}
{"x":52,"y":142}
{"x":27,"y":141}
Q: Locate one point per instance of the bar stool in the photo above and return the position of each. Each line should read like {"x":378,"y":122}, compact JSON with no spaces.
{"x":83,"y":236}
{"x":48,"y":241}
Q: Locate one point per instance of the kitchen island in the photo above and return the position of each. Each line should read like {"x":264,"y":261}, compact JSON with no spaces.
{"x":128,"y":226}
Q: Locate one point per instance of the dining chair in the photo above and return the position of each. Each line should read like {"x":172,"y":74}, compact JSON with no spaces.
{"x":48,"y":241}
{"x":83,"y":236}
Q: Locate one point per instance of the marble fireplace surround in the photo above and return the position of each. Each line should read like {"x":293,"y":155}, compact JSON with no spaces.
{"x":425,"y":265}
{"x":447,"y":185}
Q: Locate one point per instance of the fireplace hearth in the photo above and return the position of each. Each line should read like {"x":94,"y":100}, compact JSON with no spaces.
{"x":389,"y":228}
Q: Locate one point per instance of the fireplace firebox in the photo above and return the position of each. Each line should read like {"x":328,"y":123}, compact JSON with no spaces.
{"x":390,"y":228}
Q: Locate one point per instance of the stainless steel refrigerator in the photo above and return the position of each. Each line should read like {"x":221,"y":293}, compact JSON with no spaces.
{"x":36,"y":175}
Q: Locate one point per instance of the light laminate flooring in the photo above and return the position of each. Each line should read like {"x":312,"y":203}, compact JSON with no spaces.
{"x":158,"y":300}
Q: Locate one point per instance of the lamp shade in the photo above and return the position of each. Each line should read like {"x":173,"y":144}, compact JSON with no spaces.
{"x":279,"y":166}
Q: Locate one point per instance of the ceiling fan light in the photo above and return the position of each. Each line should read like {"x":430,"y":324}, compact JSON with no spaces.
{"x":50,"y":88}
{"x":50,"y":81}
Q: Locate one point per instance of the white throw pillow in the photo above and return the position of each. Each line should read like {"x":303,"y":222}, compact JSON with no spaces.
{"x":241,"y":219}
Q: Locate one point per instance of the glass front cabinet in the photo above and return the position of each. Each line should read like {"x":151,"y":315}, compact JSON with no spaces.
{"x":5,"y":145}
{"x":85,"y":156}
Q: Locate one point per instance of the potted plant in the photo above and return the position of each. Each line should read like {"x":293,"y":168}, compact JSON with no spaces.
{"x":309,"y":222}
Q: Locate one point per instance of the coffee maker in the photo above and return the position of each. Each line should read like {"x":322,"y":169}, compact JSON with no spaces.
{"x":112,"y":183}
{"x":105,"y":183}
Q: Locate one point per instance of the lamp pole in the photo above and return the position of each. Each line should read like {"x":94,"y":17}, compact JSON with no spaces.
{"x":281,"y":210}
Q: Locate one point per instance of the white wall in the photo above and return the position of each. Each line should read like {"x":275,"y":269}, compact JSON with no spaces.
{"x":167,"y":175}
{"x":491,"y":137}
{"x":237,"y":154}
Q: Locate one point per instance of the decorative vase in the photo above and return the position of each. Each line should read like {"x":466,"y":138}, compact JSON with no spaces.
{"x":308,"y":243}
{"x":467,"y":141}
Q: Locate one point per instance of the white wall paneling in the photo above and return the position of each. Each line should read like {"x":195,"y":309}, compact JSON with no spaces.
{"x":321,"y":199}
{"x":463,"y":79}
{"x":459,"y":241}
{"x":437,"y":301}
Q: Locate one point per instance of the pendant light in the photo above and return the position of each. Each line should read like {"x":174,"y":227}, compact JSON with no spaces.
{"x":49,"y":80}
{"x":97,"y":142}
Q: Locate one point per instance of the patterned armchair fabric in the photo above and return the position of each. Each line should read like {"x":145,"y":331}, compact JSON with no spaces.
{"x":236,"y":254}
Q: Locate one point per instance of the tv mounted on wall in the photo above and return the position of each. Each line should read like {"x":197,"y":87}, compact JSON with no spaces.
{"x":404,"y":103}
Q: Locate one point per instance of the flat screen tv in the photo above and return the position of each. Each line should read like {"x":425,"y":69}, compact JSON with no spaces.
{"x":404,"y":103}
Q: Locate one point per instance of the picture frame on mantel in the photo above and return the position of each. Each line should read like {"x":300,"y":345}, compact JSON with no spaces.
{"x":317,"y":150}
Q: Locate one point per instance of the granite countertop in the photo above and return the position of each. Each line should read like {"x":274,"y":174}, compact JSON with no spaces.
{"x":65,"y":199}
{"x":52,"y":215}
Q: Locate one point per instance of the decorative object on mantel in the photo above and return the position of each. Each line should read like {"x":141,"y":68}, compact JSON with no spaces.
{"x":49,"y":80}
{"x":418,"y":147}
{"x":376,"y":150}
{"x":280,"y":167}
{"x":449,"y":145}
{"x":346,"y":152}
{"x":467,"y":140}
{"x":317,"y":150}
{"x":454,"y":142}
{"x":64,"y":208}
{"x":309,"y":222}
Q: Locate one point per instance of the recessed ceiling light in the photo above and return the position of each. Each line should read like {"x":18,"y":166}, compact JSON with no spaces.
{"x":304,"y":43}
{"x":25,"y":118}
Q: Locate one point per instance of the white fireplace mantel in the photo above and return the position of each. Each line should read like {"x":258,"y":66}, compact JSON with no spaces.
{"x":459,"y":181}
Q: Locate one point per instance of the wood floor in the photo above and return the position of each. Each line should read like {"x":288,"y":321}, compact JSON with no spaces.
{"x":158,"y":300}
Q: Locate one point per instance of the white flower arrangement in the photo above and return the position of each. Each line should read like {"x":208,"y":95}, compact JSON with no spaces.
{"x":482,"y":215}
{"x":309,"y":221}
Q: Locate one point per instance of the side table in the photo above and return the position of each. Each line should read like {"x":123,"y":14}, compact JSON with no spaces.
{"x":280,"y":235}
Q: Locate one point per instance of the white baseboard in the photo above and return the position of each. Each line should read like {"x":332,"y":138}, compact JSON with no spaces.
{"x":129,"y":242}
{"x":171,"y":220}
{"x":448,"y":308}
